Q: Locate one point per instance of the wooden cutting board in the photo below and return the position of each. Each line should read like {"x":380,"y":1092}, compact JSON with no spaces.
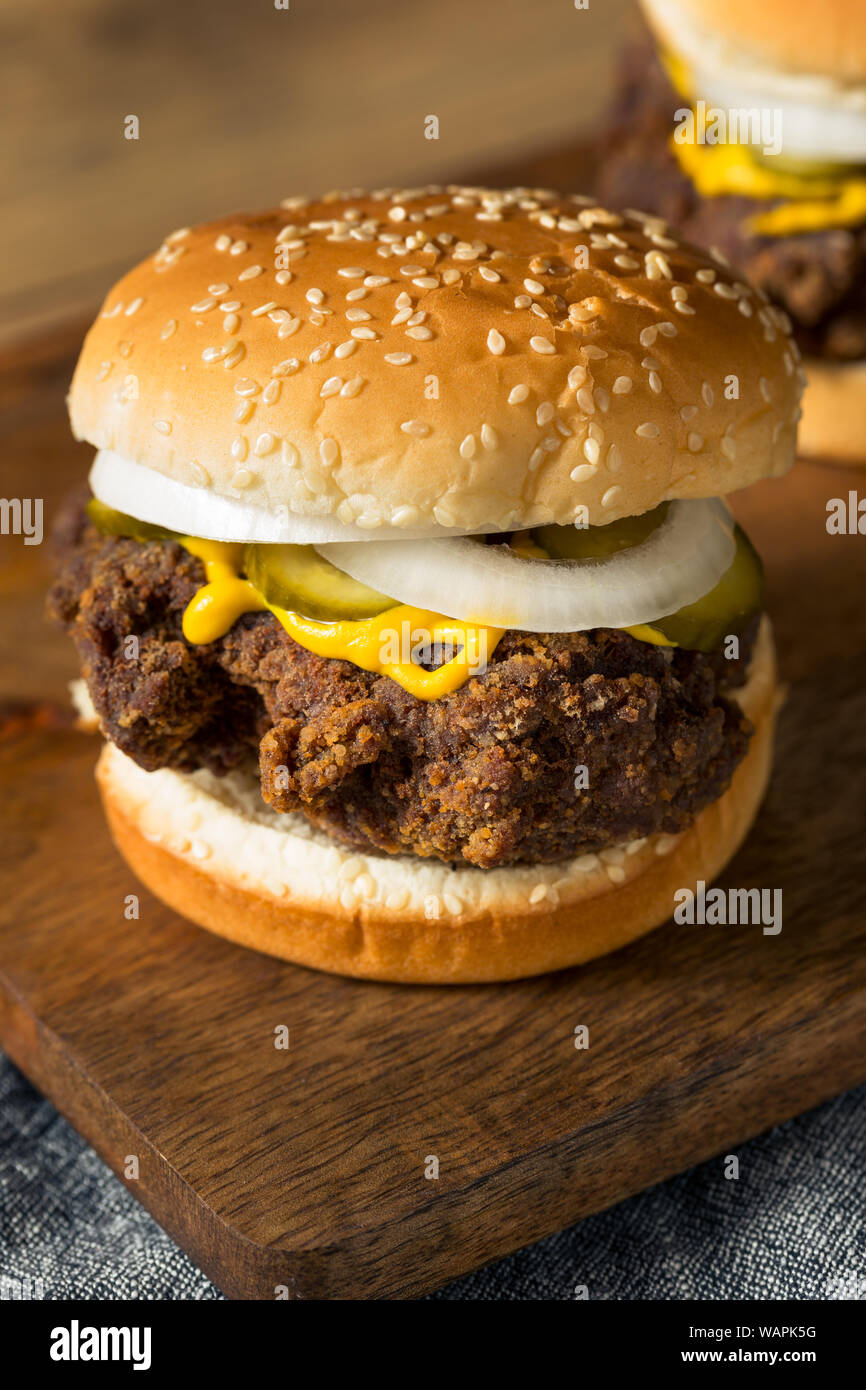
{"x":305,"y":1168}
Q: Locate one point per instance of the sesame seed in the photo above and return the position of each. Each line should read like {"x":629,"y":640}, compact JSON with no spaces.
{"x":357,"y":272}
{"x":706,"y":275}
{"x":679,"y":293}
{"x":489,"y":437}
{"x":219,"y":289}
{"x":467,"y":448}
{"x":283,"y":277}
{"x":229,"y":306}
{"x":591,"y":450}
{"x":162,"y":426}
{"x":396,"y":359}
{"x":231,"y":323}
{"x":420,"y":333}
{"x":271,"y":393}
{"x":286,"y":329}
{"x":538,"y":894}
{"x":314,"y":296}
{"x":728,"y":447}
{"x":352,"y":387}
{"x":365,"y":335}
{"x":684,"y":308}
{"x":545,"y":413}
{"x":345,"y":349}
{"x":657,"y":266}
{"x":667,"y":329}
{"x":655,"y":382}
{"x":518,"y":394}
{"x":622,"y":385}
{"x":242,"y":478}
{"x":725,"y":291}
{"x":243,"y":411}
{"x":533,"y":287}
{"x":764,"y":387}
{"x":238,"y":248}
{"x":542,"y":345}
{"x":626,"y":262}
{"x":320,"y":354}
{"x":611,"y":497}
{"x":374,"y":282}
{"x":648,"y":430}
{"x":202,"y":306}
{"x":168,"y":329}
{"x":585,"y":400}
{"x":286,"y":367}
{"x":240,"y":447}
{"x":592,"y":353}
{"x":223,"y":242}
{"x":264,"y":444}
{"x":213,"y":354}
{"x":648,"y":336}
{"x":359,"y":293}
{"x":329,"y":452}
{"x":707,"y":394}
{"x":267,"y":309}
{"x":613,"y":459}
{"x":745,"y":308}
{"x":331,"y":386}
{"x":416,"y":427}
{"x":495,"y":342}
{"x":688,"y":412}
{"x":246,"y":386}
{"x":695,"y":442}
{"x":250,"y":273}
{"x":357,"y":315}
{"x":577,"y":376}
{"x":104,"y":369}
{"x":583,"y":472}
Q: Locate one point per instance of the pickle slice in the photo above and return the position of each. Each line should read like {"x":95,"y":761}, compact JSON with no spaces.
{"x":114,"y":523}
{"x":597,"y":542}
{"x":298,"y":578}
{"x":700,"y":626}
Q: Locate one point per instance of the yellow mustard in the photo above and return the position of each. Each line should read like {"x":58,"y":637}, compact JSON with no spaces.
{"x":814,"y":203}
{"x":211,"y":612}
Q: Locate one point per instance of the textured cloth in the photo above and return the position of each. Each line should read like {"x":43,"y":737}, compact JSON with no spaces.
{"x":791,"y":1226}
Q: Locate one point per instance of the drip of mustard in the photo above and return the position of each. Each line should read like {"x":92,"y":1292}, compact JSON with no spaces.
{"x":814,"y":203}
{"x":368,"y":643}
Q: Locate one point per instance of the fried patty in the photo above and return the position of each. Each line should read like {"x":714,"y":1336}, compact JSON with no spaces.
{"x":568,"y":743}
{"x":819,"y":278}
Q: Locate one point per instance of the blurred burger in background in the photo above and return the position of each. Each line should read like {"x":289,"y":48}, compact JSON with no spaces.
{"x":745,"y":126}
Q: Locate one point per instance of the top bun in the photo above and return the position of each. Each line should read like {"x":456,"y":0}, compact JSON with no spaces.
{"x":825,"y":38}
{"x":441,"y":357}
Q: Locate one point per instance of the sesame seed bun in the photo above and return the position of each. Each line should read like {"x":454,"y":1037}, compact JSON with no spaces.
{"x":441,"y":358}
{"x":820,"y":37}
{"x":211,"y":850}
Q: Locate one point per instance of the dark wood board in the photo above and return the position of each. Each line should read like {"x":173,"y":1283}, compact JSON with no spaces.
{"x":305,"y":1167}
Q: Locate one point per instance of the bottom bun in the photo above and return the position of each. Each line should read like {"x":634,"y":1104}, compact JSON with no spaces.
{"x":211,"y":849}
{"x":833,"y":426}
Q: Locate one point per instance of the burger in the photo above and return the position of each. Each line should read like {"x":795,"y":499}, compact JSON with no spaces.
{"x":423,"y":643}
{"x":748,"y":133}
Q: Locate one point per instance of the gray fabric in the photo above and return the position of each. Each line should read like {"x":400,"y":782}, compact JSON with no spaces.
{"x":791,"y":1226}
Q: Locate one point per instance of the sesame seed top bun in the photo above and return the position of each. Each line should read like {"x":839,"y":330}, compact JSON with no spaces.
{"x":826,"y":38}
{"x":441,"y":357}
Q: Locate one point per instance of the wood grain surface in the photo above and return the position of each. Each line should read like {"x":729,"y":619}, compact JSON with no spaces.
{"x":305,"y":1168}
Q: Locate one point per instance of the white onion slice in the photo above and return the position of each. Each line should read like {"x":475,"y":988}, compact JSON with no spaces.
{"x":195,"y":511}
{"x":682,"y":559}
